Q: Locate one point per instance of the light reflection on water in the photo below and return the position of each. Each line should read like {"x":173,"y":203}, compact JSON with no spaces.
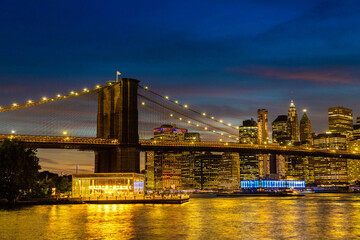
{"x":310,"y":217}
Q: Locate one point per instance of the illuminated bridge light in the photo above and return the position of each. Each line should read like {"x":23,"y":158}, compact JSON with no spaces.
{"x":72,"y":92}
{"x":180,"y":119}
{"x":97,"y":86}
{"x":166,"y":97}
{"x":221,"y":121}
{"x":176,"y":102}
{"x":189,"y":122}
{"x":220,"y":139}
{"x":229,"y":124}
{"x":14,"y":104}
{"x":44,"y":98}
{"x":146,"y":88}
{"x":212,"y":118}
{"x":171,"y":115}
{"x":59,"y":95}
{"x":204,"y":114}
{"x":29,"y":101}
{"x":214,"y":131}
{"x":237,"y":127}
{"x":85,"y":89}
{"x":185,"y":106}
{"x":143,"y":103}
{"x":205,"y":128}
{"x":196,"y":124}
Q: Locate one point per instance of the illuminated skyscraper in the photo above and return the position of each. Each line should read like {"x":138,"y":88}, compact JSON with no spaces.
{"x":248,"y":132}
{"x":340,"y":119}
{"x":305,"y":128}
{"x":263,"y":126}
{"x":293,"y":123}
{"x":279,"y":130}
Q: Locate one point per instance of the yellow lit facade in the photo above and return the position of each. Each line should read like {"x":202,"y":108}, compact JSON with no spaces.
{"x":107,"y":185}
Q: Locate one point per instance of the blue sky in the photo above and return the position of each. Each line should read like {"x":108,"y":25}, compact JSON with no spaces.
{"x":224,"y":57}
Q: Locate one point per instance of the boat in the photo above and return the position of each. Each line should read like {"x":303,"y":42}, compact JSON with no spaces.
{"x":292,"y":193}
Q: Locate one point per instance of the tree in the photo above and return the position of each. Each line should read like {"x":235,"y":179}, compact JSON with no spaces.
{"x":18,"y":169}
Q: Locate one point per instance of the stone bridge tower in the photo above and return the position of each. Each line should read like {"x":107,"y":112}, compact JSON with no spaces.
{"x":118,"y":119}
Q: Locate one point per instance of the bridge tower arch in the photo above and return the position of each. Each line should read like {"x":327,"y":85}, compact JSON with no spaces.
{"x":118,"y":119}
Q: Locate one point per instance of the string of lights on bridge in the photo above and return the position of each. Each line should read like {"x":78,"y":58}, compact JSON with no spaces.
{"x":58,"y":97}
{"x":192,"y":110}
{"x":188,"y":122}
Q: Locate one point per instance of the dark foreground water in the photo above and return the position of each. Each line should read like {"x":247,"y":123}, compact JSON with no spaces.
{"x":326,"y":216}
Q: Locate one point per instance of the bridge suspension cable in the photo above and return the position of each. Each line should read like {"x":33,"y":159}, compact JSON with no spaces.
{"x":143,"y":104}
{"x":186,"y":115}
{"x":44,"y":100}
{"x":190,"y":109}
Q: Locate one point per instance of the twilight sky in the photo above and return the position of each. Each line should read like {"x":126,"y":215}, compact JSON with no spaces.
{"x":225,"y":57}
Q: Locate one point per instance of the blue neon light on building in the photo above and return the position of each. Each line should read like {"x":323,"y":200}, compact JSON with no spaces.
{"x":272,"y":184}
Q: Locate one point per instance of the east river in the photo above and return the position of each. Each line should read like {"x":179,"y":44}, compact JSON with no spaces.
{"x":316,"y":216}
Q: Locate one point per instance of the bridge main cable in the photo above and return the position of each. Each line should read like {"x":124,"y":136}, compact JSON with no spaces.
{"x":192,"y":110}
{"x":186,"y":115}
{"x":187,"y":122}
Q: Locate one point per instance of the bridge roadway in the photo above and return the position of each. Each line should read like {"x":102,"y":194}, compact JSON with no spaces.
{"x":171,"y":146}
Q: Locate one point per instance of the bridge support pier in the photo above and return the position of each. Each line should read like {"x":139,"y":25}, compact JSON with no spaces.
{"x":118,"y":119}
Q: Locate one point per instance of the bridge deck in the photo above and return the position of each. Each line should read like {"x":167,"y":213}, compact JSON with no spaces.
{"x":169,"y":146}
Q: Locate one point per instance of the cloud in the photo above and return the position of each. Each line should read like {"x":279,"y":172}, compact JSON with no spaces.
{"x":328,"y":75}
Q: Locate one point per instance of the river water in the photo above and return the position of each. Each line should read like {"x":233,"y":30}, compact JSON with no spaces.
{"x":316,"y":216}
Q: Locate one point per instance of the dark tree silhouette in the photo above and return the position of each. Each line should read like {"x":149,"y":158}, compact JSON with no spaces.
{"x":18,"y":169}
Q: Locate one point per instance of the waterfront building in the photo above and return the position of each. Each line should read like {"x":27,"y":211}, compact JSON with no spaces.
{"x":305,"y":128}
{"x":248,"y":132}
{"x":293,"y":123}
{"x":263,"y":122}
{"x":229,"y":171}
{"x":279,"y":130}
{"x":107,"y":185}
{"x":249,"y":163}
{"x":327,"y":169}
{"x":249,"y":166}
{"x":340,"y":120}
{"x":330,"y":170}
{"x":163,"y":170}
{"x":300,"y":168}
{"x":206,"y":171}
{"x":273,"y":184}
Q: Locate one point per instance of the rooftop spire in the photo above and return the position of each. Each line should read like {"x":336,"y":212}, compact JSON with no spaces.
{"x":292,"y":103}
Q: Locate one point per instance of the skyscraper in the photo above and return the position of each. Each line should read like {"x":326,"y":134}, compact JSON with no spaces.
{"x":305,"y":128}
{"x":293,"y":123}
{"x":340,"y":119}
{"x":248,"y":132}
{"x":279,"y":130}
{"x":262,"y":126}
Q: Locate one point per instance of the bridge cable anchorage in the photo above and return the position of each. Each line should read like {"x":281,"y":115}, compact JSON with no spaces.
{"x":192,"y":110}
{"x":188,"y":122}
{"x":44,"y":100}
{"x":186,"y":115}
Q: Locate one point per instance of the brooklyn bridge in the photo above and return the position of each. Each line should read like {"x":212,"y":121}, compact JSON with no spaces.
{"x":116,"y":121}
